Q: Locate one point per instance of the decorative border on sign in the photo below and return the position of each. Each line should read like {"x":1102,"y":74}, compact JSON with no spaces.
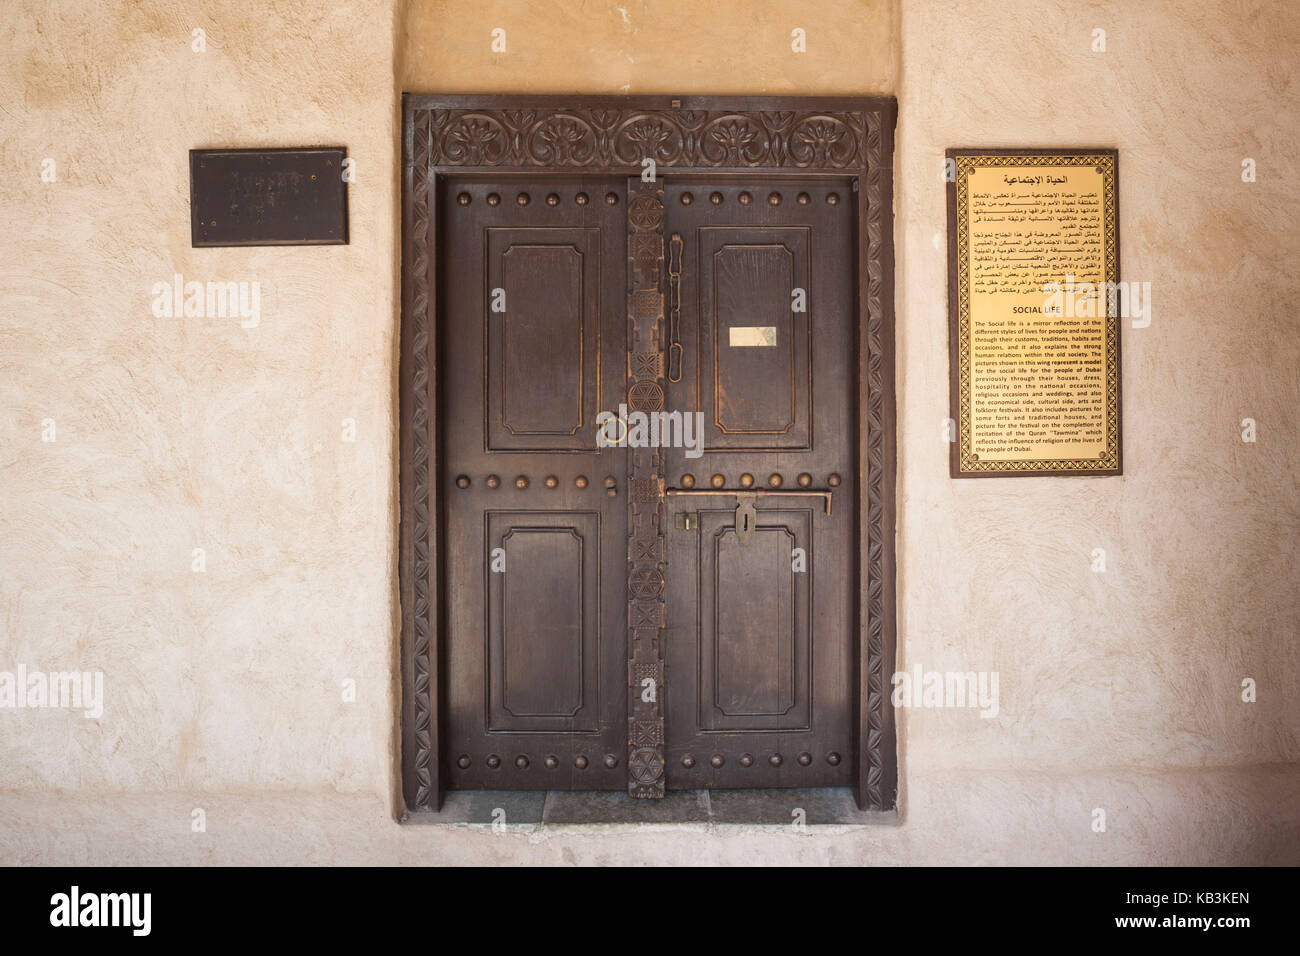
{"x":1109,"y":463}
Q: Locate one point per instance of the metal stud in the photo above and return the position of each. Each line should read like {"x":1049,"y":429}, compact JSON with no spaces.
{"x":462,"y":481}
{"x":688,"y":481}
{"x":745,"y":199}
{"x":463,"y":761}
{"x":746,"y":480}
{"x":687,"y":199}
{"x":611,"y":199}
{"x":521,"y":482}
{"x":523,"y":199}
{"x":805,"y":479}
{"x":580,"y":481}
{"x":716,"y":761}
{"x":717,"y":481}
{"x":493,"y":199}
{"x":774,"y":199}
{"x":803,"y":199}
{"x":688,"y":761}
{"x":493,"y":761}
{"x":774,"y":760}
{"x":464,"y":199}
{"x":775,"y":480}
{"x":833,"y":759}
{"x":715,"y":198}
{"x":832,"y":199}
{"x":611,"y":761}
{"x":833,"y":480}
{"x":746,"y":760}
{"x":804,"y":759}
{"x":493,"y":481}
{"x":552,"y":481}
{"x":551,"y":761}
{"x":552,"y":200}
{"x":580,"y":762}
{"x":521,"y":762}
{"x":581,"y":199}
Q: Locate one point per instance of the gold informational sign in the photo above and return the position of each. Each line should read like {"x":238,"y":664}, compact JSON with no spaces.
{"x":1034,"y":312}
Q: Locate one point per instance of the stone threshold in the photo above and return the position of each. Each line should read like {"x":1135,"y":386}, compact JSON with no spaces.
{"x":828,"y":806}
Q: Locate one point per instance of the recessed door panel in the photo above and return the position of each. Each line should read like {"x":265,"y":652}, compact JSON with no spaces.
{"x":543,"y":333}
{"x":543,"y":621}
{"x":755,"y":375}
{"x":753,"y":626}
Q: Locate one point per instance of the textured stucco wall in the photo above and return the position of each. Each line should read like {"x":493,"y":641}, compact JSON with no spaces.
{"x":1140,"y":665}
{"x":176,"y":434}
{"x":651,"y":46}
{"x":1118,"y":690}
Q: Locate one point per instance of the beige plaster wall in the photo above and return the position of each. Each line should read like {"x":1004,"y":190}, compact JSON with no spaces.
{"x":176,"y":434}
{"x":1139,"y":666}
{"x":1119,"y":690}
{"x":651,"y":46}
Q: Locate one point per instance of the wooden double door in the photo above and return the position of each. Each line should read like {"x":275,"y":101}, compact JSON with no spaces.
{"x":647,"y":410}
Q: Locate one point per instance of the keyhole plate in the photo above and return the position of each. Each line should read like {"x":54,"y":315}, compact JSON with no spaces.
{"x":746,"y":518}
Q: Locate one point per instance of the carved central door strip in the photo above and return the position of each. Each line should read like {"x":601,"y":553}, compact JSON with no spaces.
{"x":454,"y":135}
{"x":645,"y":548}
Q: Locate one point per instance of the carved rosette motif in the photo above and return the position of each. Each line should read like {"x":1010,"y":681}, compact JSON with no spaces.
{"x":645,"y":552}
{"x":612,"y":138}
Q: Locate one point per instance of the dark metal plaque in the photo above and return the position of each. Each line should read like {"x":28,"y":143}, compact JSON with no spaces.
{"x":268,"y":197}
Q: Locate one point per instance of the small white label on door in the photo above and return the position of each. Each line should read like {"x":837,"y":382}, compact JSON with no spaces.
{"x":753,"y":336}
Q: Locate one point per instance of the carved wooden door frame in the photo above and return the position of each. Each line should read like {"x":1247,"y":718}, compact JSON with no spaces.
{"x":462,"y":135}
